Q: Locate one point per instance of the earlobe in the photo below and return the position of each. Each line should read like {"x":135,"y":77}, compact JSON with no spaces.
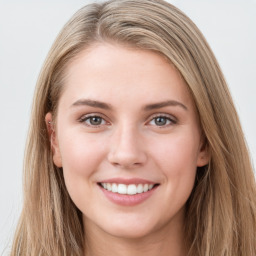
{"x":204,"y":155}
{"x":53,"y":139}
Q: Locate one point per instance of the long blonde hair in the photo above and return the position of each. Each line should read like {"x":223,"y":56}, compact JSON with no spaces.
{"x":221,"y":211}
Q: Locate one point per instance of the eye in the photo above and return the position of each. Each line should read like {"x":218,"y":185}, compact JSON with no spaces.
{"x":162,"y":120}
{"x":93,"y":120}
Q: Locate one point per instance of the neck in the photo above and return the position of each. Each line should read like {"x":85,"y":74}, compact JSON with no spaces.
{"x":168,"y":240}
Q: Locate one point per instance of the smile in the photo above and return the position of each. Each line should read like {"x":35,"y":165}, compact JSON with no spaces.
{"x":123,"y":189}
{"x":128,"y":192}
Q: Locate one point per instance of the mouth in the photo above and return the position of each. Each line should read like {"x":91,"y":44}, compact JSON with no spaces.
{"x":127,"y":189}
{"x":128,"y":192}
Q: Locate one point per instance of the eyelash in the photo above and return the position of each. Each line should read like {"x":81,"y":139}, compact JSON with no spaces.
{"x":171,"y":120}
{"x":89,"y":117}
{"x":168,"y":118}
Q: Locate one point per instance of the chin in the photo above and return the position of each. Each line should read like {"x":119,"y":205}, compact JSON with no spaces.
{"x":131,"y":228}
{"x":130,"y":233}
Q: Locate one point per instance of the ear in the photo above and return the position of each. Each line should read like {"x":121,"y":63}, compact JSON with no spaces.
{"x":204,"y":154}
{"x":53,"y":139}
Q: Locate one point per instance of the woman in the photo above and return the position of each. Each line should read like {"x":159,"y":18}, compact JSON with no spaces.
{"x":135,"y":146}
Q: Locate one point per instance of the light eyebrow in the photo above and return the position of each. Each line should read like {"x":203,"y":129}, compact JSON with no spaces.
{"x":92,"y":103}
{"x":164,"y":104}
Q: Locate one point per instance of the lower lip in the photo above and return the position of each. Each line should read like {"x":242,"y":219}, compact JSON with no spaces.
{"x":128,"y":200}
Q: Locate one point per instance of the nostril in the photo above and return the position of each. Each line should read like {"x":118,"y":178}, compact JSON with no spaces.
{"x":127,"y":165}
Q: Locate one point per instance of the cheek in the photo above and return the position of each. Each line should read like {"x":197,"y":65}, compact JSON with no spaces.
{"x":81,"y":158}
{"x":177,"y":155}
{"x":80,"y":154}
{"x":177,"y":160}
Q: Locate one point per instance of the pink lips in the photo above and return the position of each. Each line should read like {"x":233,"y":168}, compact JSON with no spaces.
{"x":124,"y":199}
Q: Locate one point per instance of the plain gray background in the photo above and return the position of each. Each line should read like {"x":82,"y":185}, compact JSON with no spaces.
{"x":27,"y":30}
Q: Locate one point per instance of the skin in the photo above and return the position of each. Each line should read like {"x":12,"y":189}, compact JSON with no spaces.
{"x":128,"y":143}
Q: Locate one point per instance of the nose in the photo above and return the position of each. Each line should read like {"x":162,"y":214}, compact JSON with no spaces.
{"x":127,"y":150}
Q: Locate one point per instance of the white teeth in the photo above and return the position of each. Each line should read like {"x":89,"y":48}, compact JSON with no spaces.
{"x":145,"y":188}
{"x":124,"y":189}
{"x":150,"y":186}
{"x":139,"y":189}
{"x":121,"y":189}
{"x":109,"y":187}
{"x":114,"y":188}
{"x":131,"y":190}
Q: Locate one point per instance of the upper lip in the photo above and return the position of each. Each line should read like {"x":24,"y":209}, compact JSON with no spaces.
{"x":128,"y":181}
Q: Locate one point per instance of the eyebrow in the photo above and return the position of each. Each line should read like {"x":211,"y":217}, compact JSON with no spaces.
{"x":164,"y":104}
{"x":103,"y":105}
{"x":92,"y":103}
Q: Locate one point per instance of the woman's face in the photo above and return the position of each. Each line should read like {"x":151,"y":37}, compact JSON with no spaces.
{"x":128,"y":138}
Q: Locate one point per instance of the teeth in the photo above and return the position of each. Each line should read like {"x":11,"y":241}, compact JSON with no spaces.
{"x":123,"y":189}
{"x":109,"y":187}
{"x":139,"y":188}
{"x":114,"y":188}
{"x":131,"y":189}
{"x":145,"y":187}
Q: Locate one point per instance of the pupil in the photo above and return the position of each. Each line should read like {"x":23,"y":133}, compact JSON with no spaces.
{"x":160,"y":120}
{"x":95,"y":120}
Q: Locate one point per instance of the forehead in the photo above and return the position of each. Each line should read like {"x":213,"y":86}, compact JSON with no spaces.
{"x":116,"y":73}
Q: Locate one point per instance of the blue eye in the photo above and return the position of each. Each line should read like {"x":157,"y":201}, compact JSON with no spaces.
{"x":161,"y":121}
{"x":93,"y":121}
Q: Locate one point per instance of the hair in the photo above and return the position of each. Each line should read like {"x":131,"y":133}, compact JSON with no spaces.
{"x":221,"y":210}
